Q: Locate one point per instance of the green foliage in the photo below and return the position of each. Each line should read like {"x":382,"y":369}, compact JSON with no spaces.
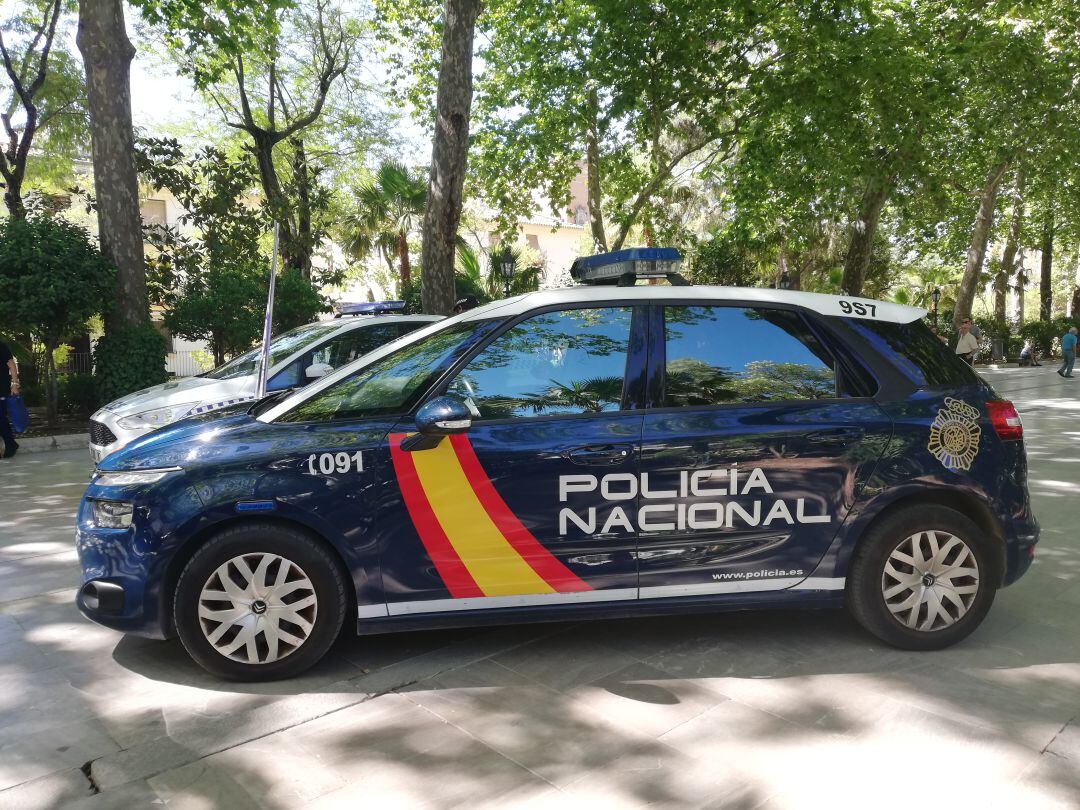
{"x":1046,"y":335}
{"x":214,"y":285}
{"x":52,"y":278}
{"x":210,"y":34}
{"x":388,"y":210}
{"x":128,"y":360}
{"x":726,"y":260}
{"x":78,"y":393}
{"x":463,"y":285}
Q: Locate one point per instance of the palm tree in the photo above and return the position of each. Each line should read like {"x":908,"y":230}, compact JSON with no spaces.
{"x":389,"y":208}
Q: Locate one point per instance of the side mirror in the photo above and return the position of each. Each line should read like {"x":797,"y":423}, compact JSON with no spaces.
{"x":316,"y":370}
{"x":443,"y":416}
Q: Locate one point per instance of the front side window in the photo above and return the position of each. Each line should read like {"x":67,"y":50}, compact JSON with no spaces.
{"x":280,"y":348}
{"x":556,"y":363}
{"x":720,"y":355}
{"x":392,"y":383}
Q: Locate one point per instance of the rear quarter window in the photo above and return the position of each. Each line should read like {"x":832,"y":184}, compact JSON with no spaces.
{"x":916,"y":352}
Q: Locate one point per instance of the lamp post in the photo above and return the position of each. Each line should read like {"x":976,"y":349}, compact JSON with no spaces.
{"x":936,"y":295}
{"x":507,"y":264}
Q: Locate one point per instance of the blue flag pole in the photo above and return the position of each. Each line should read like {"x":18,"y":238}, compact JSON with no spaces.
{"x":264,"y":359}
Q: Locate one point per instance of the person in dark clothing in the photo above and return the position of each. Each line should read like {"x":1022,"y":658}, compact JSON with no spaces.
{"x":9,"y":384}
{"x":465,"y":304}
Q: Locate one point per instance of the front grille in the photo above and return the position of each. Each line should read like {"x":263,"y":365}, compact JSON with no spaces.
{"x":100,"y":434}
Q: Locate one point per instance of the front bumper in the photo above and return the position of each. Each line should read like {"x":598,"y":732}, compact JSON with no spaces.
{"x":122,"y":576}
{"x":106,"y":435}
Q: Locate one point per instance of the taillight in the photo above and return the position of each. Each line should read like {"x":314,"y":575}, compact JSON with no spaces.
{"x":1005,"y":419}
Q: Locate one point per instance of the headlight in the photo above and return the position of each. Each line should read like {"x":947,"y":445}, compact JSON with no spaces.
{"x":112,"y":514}
{"x":159,"y":417}
{"x":132,"y":477}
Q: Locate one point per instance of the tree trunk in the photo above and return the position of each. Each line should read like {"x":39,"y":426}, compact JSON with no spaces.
{"x":861,"y":246}
{"x":1008,"y":257}
{"x":403,"y":255}
{"x":107,"y":54}
{"x":449,"y":155}
{"x":980,"y":235}
{"x":1076,"y":288}
{"x":592,"y":168}
{"x":1046,"y":266}
{"x":51,"y":399}
{"x":303,"y":243}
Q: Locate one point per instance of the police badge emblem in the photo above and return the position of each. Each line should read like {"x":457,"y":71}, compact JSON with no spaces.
{"x":954,"y":435}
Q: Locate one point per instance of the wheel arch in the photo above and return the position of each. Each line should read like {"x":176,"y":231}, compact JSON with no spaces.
{"x":187,"y":550}
{"x":966,"y":503}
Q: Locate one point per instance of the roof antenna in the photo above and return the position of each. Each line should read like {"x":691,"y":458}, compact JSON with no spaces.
{"x":264,"y":358}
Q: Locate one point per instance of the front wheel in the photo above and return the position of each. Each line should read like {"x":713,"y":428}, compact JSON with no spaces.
{"x":259,"y":602}
{"x":924,"y":578}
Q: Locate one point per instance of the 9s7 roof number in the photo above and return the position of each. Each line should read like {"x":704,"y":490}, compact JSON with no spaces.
{"x":859,"y":308}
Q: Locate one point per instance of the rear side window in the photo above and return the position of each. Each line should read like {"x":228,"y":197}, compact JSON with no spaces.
{"x":916,"y":352}
{"x":718,"y":355}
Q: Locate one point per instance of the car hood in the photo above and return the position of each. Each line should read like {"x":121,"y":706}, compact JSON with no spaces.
{"x":196,"y":440}
{"x":199,"y":390}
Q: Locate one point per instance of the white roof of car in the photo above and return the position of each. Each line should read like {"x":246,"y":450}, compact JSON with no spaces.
{"x":842,"y":305}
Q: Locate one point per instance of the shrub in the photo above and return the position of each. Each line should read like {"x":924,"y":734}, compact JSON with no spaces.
{"x":128,"y":360}
{"x":78,"y":393}
{"x":1046,"y":334}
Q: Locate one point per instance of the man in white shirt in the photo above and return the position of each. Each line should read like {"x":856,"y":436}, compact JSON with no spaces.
{"x":967,"y":344}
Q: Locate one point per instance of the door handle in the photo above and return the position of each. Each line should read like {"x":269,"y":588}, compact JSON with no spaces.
{"x":599,"y":454}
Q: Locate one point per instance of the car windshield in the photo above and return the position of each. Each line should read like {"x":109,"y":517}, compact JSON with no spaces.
{"x":391,"y":384}
{"x":280,"y":348}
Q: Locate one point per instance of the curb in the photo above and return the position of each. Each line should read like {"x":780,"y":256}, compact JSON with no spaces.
{"x":66,"y":441}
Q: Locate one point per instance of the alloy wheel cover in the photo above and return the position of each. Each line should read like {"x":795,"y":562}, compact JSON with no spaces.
{"x":257,"y":608}
{"x":930,"y":580}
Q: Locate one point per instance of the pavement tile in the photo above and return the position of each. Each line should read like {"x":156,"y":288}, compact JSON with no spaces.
{"x":57,"y":789}
{"x":58,"y":748}
{"x":645,"y":699}
{"x":549,"y":733}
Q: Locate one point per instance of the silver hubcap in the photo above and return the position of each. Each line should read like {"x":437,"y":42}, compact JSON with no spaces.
{"x":257,"y":608}
{"x":930,"y":580}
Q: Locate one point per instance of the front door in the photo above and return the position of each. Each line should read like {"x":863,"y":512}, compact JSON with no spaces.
{"x":751,"y":456}
{"x":513,"y":512}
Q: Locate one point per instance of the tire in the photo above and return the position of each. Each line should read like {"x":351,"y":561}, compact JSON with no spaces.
{"x":923,"y":604}
{"x":280,"y":603}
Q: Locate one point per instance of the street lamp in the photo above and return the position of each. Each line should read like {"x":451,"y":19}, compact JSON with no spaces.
{"x":936,"y":295}
{"x":507,"y":264}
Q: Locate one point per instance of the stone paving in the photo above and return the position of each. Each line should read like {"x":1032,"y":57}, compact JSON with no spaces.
{"x":770,"y":710}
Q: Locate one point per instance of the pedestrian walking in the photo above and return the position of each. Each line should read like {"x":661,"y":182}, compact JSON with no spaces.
{"x":1068,"y":353}
{"x":9,"y":385}
{"x":967,"y":344}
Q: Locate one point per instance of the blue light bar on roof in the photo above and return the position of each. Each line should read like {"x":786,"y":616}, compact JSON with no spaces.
{"x":632,"y":263}
{"x":371,"y":308}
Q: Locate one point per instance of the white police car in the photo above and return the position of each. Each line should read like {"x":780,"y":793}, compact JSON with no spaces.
{"x":296,"y":358}
{"x":605,"y":450}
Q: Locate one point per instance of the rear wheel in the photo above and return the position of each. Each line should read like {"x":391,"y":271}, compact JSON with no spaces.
{"x":259,"y":602}
{"x":924,"y":578}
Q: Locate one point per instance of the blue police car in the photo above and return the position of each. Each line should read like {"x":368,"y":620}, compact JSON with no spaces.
{"x":607,"y":450}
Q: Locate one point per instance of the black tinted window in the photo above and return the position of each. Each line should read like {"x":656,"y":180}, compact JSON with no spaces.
{"x":392,"y":383}
{"x":719,"y":355}
{"x":567,"y":362}
{"x":916,"y":351}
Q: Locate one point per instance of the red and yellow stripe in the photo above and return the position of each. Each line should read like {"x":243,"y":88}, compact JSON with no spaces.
{"x":477,"y":544}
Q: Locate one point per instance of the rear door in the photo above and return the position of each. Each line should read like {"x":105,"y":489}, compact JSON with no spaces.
{"x":515,"y":512}
{"x":752,"y":453}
